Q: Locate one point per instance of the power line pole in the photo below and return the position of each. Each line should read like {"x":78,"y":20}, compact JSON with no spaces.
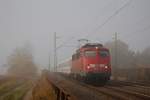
{"x":116,"y":50}
{"x":49,"y":67}
{"x":55,"y":53}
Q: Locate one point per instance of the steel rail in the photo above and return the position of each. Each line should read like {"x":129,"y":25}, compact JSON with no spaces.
{"x":136,"y":94}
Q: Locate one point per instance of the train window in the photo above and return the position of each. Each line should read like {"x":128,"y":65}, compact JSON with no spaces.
{"x":104,"y":53}
{"x":90,"y":53}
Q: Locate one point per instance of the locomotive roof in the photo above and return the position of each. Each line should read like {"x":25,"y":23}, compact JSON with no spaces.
{"x":92,"y":45}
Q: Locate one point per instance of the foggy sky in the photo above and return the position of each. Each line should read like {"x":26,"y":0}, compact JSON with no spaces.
{"x":33,"y":22}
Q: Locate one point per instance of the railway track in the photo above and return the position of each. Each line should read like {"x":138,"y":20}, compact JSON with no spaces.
{"x":111,"y":91}
{"x":118,"y":93}
{"x":132,"y":86}
{"x":131,"y":94}
{"x":139,"y":83}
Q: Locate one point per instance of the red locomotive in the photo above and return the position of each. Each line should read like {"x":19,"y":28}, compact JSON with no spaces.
{"x":91,"y":62}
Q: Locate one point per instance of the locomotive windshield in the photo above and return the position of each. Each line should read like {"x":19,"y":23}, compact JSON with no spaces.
{"x":104,"y":53}
{"x":90,"y":53}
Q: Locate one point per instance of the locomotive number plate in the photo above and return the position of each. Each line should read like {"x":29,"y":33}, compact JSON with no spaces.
{"x":102,"y":65}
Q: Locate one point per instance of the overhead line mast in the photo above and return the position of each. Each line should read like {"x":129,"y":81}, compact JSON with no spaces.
{"x":55,"y":53}
{"x":116,"y":50}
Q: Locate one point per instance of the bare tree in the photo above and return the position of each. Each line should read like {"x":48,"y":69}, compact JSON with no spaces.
{"x":21,"y":63}
{"x":144,"y":57}
{"x":125,"y":57}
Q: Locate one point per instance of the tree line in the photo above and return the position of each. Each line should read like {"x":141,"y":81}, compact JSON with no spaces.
{"x":127,"y":58}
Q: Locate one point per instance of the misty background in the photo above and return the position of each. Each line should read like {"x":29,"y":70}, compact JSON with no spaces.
{"x":33,"y":23}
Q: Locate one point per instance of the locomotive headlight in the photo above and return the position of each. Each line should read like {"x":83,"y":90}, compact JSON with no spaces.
{"x":106,"y":66}
{"x":88,"y":67}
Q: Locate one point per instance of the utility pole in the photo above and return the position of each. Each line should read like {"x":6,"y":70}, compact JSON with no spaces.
{"x":55,"y":53}
{"x":49,"y":67}
{"x":116,"y":50}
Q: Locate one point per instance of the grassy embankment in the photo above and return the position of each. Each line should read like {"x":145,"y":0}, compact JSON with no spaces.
{"x":14,"y":89}
{"x":43,"y":90}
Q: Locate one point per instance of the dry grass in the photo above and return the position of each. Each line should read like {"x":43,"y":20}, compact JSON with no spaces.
{"x":43,"y":90}
{"x":14,"y":89}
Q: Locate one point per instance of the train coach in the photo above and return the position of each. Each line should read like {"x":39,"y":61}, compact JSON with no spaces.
{"x":65,"y":66}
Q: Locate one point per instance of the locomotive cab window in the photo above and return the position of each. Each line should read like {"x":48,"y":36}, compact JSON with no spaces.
{"x":104,"y":53}
{"x":90,"y":53}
